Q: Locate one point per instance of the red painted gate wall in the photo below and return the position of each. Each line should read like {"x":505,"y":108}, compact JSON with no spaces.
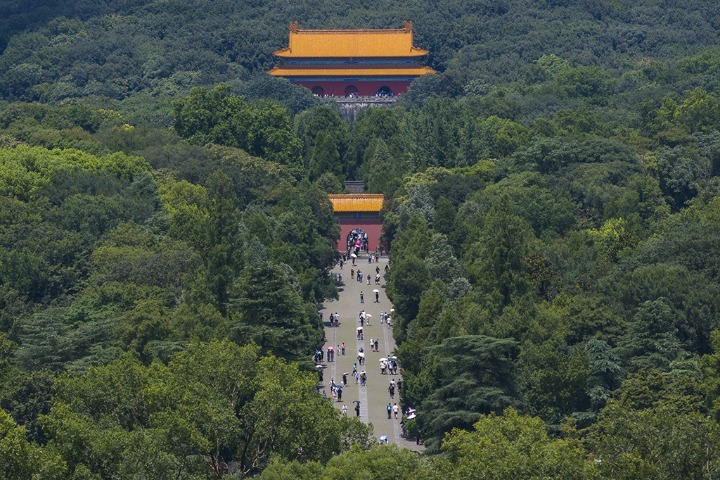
{"x":365,"y":88}
{"x":373,"y":228}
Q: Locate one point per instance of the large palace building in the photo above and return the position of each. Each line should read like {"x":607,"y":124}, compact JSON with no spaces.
{"x":349,"y":63}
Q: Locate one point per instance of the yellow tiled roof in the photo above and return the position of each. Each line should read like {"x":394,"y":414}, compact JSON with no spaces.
{"x":349,"y":72}
{"x":357,"y":202}
{"x":351,"y":43}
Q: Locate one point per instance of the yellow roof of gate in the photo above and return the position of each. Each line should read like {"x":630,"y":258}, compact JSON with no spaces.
{"x":351,"y":43}
{"x":357,"y":202}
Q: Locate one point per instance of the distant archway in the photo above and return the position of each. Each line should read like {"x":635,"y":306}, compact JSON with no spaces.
{"x":318,"y":90}
{"x":351,"y":91}
{"x":385,"y":91}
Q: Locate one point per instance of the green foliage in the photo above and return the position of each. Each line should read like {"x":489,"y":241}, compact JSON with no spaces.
{"x":373,"y":126}
{"x":445,"y":216}
{"x":262,"y":86}
{"x":551,"y":214}
{"x":381,"y":462}
{"x":378,"y":462}
{"x":584,"y":81}
{"x":59,"y":202}
{"x":654,"y":430}
{"x":498,"y":257}
{"x":20,"y":459}
{"x":67,"y":50}
{"x":382,"y":170}
{"x":407,"y":280}
{"x":267,"y":310}
{"x":528,"y":196}
{"x":329,"y":183}
{"x":463,"y":378}
{"x":216,"y":116}
{"x":650,"y":341}
{"x":681,"y":172}
{"x":692,"y":301}
{"x":211,"y":405}
{"x":555,"y":380}
{"x":699,"y":111}
{"x":514,"y":446}
{"x":323,"y":119}
{"x":325,"y":157}
{"x":688,"y":240}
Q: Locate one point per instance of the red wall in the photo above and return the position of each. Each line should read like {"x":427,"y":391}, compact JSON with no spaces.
{"x":373,"y":228}
{"x":365,"y":89}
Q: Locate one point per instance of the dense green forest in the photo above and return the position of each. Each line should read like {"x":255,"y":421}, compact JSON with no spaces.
{"x":552,"y":215}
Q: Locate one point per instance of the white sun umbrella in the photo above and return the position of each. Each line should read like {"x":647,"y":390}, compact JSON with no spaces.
{"x":383,"y":359}
{"x":368,"y":315}
{"x":376,"y":291}
{"x":361,"y":354}
{"x":359,"y":328}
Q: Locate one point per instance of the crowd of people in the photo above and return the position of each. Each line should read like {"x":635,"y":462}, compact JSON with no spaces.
{"x":357,"y":241}
{"x":389,"y":367}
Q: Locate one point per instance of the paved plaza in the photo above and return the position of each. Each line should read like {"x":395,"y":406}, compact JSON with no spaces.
{"x":374,"y":397}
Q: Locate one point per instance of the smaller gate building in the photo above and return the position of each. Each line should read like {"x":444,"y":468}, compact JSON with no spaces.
{"x":358,"y":212}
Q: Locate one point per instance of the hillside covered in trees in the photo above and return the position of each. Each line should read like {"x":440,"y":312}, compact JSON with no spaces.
{"x":552,"y":215}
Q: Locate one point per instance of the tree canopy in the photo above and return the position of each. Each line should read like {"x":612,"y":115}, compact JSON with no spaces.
{"x":166,"y":239}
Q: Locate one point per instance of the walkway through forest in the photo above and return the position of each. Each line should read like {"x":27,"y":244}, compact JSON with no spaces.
{"x":374,"y":397}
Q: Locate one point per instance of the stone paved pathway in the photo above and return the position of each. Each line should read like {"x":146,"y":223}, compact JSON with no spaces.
{"x":374,"y":397}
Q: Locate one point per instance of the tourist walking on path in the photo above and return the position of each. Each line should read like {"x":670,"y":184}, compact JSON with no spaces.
{"x":373,"y":396}
{"x":389,"y":410}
